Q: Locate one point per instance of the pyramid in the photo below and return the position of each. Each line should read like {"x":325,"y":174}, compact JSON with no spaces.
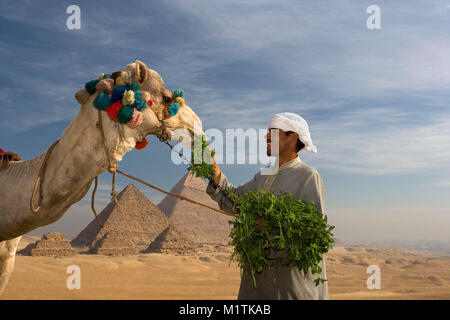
{"x":52,"y":244}
{"x":201,"y":224}
{"x":172,"y":240}
{"x":128,"y":227}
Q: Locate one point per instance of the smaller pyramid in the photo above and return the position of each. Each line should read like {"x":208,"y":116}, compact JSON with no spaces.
{"x":52,"y":244}
{"x":128,"y":227}
{"x":172,"y":240}
{"x":202,"y":225}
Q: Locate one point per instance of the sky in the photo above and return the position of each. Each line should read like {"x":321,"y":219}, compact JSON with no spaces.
{"x":376,"y":101}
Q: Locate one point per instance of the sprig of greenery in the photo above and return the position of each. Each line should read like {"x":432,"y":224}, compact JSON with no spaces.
{"x":289,"y":224}
{"x":205,"y":169}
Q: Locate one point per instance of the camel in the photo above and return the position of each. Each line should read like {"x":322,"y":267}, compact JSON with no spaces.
{"x":78,"y":158}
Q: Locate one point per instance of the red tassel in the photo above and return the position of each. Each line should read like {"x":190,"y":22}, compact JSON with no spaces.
{"x":141,"y":144}
{"x":150,"y":102}
{"x":113,"y":110}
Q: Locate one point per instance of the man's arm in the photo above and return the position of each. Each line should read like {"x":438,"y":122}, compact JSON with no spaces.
{"x":219,"y":196}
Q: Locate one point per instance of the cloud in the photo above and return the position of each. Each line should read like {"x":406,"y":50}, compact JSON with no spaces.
{"x":344,"y":145}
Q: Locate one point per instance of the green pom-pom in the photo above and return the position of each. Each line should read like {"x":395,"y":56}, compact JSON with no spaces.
{"x":102,"y":101}
{"x":106,"y":76}
{"x":135,"y":86}
{"x":179,"y":93}
{"x":90,"y":86}
{"x":125,"y":114}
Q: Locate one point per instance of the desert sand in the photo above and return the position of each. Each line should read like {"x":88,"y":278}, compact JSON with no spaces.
{"x":209,"y":275}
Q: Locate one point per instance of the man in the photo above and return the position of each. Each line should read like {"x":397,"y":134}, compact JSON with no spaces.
{"x":293,"y":176}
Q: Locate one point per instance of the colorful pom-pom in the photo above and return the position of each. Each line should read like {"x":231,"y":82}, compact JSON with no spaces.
{"x":128,"y":98}
{"x":145,"y":95}
{"x":117,"y":93}
{"x":179,"y":100}
{"x":106,"y":76}
{"x":173,"y":110}
{"x":137,"y":119}
{"x":137,"y":95}
{"x":125,"y":114}
{"x":135,"y":86}
{"x":102,"y":101}
{"x":105,"y":85}
{"x":179,"y":93}
{"x":140,"y":104}
{"x":150,"y":102}
{"x":120,"y":81}
{"x":113,"y":110}
{"x":90,"y":86}
{"x":141,"y":144}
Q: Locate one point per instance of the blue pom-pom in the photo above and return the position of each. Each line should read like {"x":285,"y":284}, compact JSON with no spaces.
{"x":139,"y":104}
{"x":117,"y":93}
{"x":173,"y":110}
{"x":142,"y":106}
{"x":178,"y":93}
{"x":102,"y":101}
{"x":90,"y":86}
{"x":135,"y":86}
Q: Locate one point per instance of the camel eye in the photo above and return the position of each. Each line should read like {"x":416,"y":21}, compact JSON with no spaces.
{"x":166,"y":99}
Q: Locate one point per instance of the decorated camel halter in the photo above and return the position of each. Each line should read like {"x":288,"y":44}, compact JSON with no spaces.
{"x":125,"y":103}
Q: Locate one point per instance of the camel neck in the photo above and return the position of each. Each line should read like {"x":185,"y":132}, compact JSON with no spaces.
{"x":75,"y":161}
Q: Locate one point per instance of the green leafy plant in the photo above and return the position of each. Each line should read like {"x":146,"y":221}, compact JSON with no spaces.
{"x":289,"y":224}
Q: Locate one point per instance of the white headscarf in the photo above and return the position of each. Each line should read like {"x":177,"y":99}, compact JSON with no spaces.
{"x":288,"y":121}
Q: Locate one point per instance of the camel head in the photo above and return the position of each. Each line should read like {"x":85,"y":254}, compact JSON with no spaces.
{"x":156,"y":118}
{"x":184,"y":122}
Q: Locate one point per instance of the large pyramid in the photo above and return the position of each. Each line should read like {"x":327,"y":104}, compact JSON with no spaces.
{"x":129,"y":226}
{"x":201,"y":224}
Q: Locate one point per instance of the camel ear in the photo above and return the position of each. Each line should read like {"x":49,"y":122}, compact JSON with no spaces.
{"x":82,"y":96}
{"x":141,"y":72}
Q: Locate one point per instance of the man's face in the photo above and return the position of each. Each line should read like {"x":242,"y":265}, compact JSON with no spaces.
{"x":286,"y":142}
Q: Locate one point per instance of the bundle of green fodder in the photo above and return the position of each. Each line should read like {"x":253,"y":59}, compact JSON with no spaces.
{"x":288,"y":224}
{"x":266,"y":221}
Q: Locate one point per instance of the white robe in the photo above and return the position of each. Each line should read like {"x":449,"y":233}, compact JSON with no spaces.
{"x":305,"y":183}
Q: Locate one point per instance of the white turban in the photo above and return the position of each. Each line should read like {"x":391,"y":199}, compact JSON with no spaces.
{"x":287,"y":121}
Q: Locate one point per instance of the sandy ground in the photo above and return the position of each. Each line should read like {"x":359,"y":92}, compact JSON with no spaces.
{"x":209,"y":275}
